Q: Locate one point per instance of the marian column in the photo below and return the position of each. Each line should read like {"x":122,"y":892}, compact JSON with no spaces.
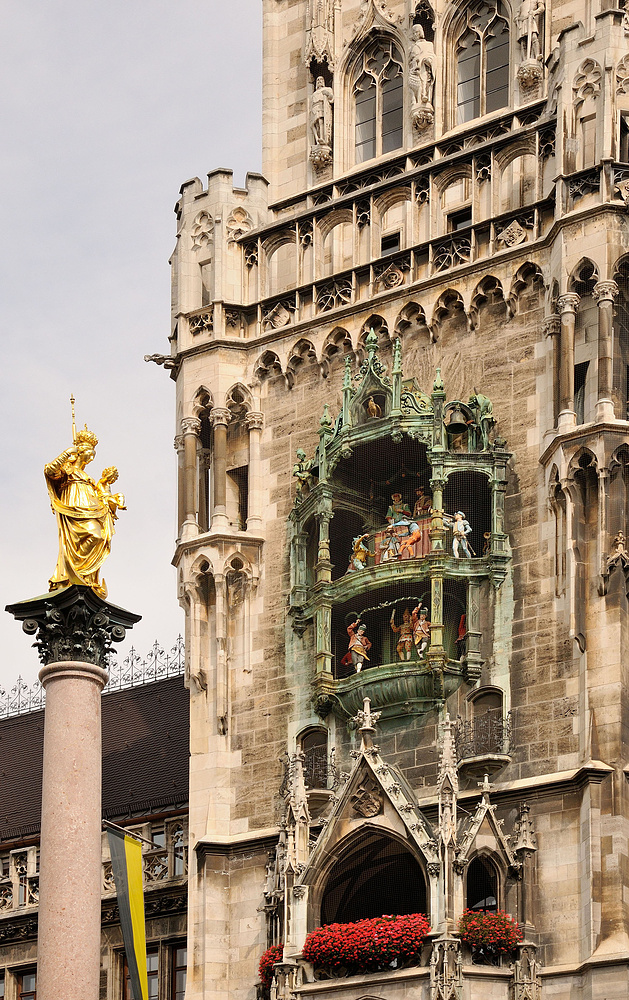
{"x":74,"y":628}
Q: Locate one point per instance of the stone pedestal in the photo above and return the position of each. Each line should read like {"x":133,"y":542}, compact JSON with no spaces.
{"x":75,"y":630}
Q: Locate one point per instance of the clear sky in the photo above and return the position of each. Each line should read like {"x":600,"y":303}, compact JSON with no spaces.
{"x":108,"y":108}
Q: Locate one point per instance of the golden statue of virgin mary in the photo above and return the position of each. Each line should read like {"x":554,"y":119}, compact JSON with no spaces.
{"x":85,"y":512}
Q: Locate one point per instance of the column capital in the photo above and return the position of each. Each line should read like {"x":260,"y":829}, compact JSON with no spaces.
{"x":178,"y":442}
{"x":569,"y":302}
{"x":551,"y":324}
{"x":605,"y":291}
{"x":220,"y":415}
{"x":191,"y":425}
{"x":73,"y":624}
{"x":254,"y":421}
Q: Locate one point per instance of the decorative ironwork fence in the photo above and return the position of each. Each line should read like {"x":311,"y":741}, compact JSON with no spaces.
{"x":133,"y":671}
{"x":490,"y":733}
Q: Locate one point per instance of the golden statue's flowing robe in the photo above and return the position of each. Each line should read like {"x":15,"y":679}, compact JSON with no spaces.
{"x":85,"y":522}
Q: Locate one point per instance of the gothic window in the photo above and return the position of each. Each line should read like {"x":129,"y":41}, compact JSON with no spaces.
{"x":482,"y":885}
{"x":482,"y":56}
{"x":379,"y":100}
{"x":374,"y":876}
{"x":314,"y":746}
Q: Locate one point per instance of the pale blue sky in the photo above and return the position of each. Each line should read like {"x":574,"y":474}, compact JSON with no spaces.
{"x":108,"y":108}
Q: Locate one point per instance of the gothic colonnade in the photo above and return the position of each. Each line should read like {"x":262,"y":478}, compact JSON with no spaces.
{"x":193,"y":484}
{"x":562,"y":326}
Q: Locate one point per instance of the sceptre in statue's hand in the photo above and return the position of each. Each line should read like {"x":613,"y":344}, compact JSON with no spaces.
{"x":85,"y":512}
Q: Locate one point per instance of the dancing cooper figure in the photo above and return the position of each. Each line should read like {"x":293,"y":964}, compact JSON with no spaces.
{"x":85,"y":510}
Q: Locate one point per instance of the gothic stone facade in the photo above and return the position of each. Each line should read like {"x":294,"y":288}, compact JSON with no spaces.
{"x":427,"y":288}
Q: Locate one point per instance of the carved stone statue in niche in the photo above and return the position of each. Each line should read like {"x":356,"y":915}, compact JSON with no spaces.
{"x":529,"y":26}
{"x":321,"y":123}
{"x":421,"y":79}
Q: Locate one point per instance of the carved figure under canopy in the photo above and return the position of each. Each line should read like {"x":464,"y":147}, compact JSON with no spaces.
{"x":528,"y":23}
{"x":421,"y":78}
{"x":85,"y":512}
{"x":359,"y":646}
{"x":321,"y":118}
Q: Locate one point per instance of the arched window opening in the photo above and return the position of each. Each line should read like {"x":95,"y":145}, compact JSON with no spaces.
{"x":378,"y":876}
{"x":314,"y":746}
{"x":482,"y":62}
{"x":379,"y":101}
{"x":482,"y":886}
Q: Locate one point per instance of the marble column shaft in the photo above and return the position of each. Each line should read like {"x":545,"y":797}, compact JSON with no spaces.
{"x":70,"y":881}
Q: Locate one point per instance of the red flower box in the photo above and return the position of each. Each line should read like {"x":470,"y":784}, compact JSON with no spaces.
{"x":268,"y":960}
{"x":493,"y":933}
{"x":368,"y":945}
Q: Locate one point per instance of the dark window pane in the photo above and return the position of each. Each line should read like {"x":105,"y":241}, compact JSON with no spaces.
{"x":497,"y":79}
{"x":468,"y":77}
{"x":392,"y":140}
{"x":482,"y":886}
{"x":365,"y":138}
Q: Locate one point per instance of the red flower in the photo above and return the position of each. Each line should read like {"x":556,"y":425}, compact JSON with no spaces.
{"x":496,"y":932}
{"x":367,"y":944}
{"x":268,"y":960}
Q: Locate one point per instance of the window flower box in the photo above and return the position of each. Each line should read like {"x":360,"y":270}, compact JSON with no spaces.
{"x":489,"y":935}
{"x":372,"y":945}
{"x":265,"y":969}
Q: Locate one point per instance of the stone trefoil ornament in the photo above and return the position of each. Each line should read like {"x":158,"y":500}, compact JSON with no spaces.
{"x":321,"y":125}
{"x":85,"y":509}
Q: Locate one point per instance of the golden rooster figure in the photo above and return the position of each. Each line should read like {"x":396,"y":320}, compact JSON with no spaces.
{"x":85,"y":512}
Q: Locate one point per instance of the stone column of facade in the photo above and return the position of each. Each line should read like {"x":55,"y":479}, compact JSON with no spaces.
{"x":568,"y":305}
{"x":178,"y":445}
{"x":552,"y":327}
{"x":190,"y":429}
{"x":71,"y":622}
{"x":254,"y":519}
{"x":605,"y":292}
{"x":220,"y":417}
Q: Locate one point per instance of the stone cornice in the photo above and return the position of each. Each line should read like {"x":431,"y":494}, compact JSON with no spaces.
{"x":239,"y":539}
{"x":260,"y":840}
{"x":594,"y":771}
{"x":583,"y":431}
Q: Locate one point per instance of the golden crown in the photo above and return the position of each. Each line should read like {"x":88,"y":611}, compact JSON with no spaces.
{"x":86,"y":437}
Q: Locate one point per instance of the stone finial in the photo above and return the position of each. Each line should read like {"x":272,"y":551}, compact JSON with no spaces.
{"x":366,"y":723}
{"x":397,"y":357}
{"x":523,"y":839}
{"x":73,"y":623}
{"x":347,"y":374}
{"x":438,"y":385}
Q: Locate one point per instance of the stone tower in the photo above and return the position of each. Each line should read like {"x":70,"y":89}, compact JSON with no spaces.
{"x":401,"y":358}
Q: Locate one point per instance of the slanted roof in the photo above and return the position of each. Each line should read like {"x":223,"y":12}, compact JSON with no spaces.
{"x":145,"y":757}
